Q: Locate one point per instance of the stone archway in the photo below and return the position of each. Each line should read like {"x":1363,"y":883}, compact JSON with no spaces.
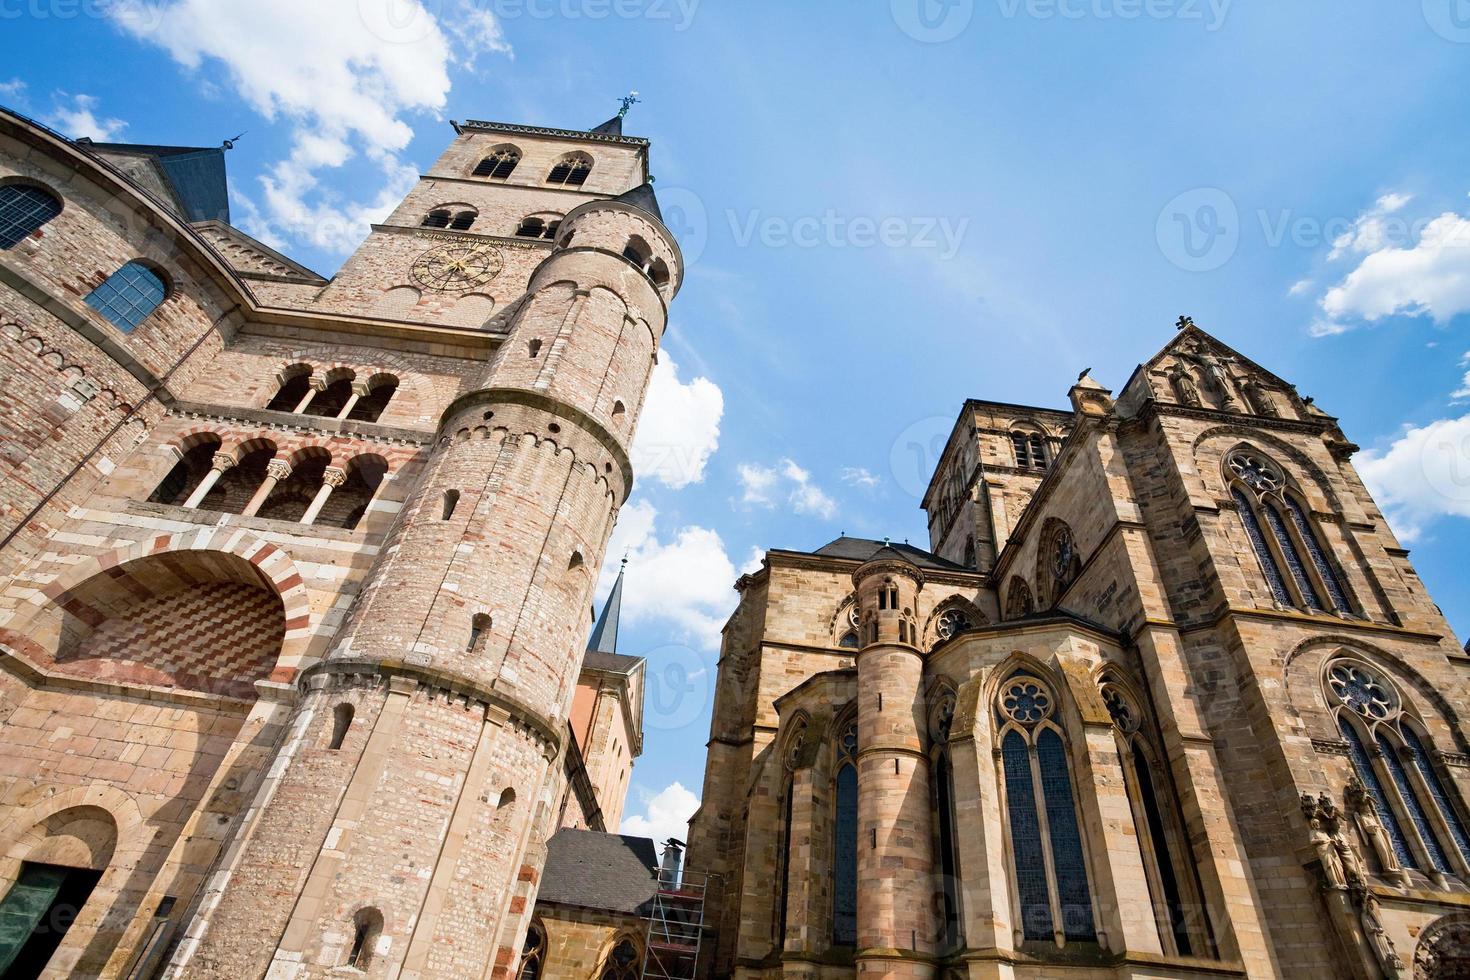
{"x":1443,"y":952}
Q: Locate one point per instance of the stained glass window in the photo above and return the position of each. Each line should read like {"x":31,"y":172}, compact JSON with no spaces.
{"x":1031,"y":884}
{"x":1424,"y":764}
{"x":128,"y":295}
{"x":844,"y":870}
{"x":1369,"y":778}
{"x":1167,"y":879}
{"x":1360,"y":690}
{"x":1319,"y":557}
{"x":1066,"y":843}
{"x":1413,"y":804}
{"x":1293,"y":557}
{"x":23,"y":209}
{"x":948,"y":860}
{"x":1272,"y":571}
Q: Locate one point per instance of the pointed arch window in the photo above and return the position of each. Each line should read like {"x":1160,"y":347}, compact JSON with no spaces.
{"x":571,"y":170}
{"x":946,"y":846}
{"x":533,"y":952}
{"x":1054,"y":898}
{"x":499,"y":165}
{"x":844,"y":839}
{"x":1172,"y":879}
{"x":623,"y":961}
{"x":1297,"y":567}
{"x":24,"y":208}
{"x":1419,"y":811}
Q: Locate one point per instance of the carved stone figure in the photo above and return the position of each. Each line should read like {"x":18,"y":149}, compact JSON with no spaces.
{"x":1259,"y":397}
{"x":1377,"y":936}
{"x":1365,"y":816}
{"x":1184,"y":387}
{"x":1334,"y":877}
{"x":1217,"y":377}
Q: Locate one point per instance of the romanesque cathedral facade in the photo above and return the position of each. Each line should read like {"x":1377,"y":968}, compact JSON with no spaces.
{"x":299,"y":676}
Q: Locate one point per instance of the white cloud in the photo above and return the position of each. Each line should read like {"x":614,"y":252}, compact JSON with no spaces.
{"x":1430,"y":278}
{"x":1463,"y":392}
{"x":679,"y":429}
{"x":343,"y":73}
{"x":765,"y":486}
{"x":665,"y":814}
{"x":1423,"y":475}
{"x":859,"y":476}
{"x":79,"y":119}
{"x":1300,"y":287}
{"x":1374,"y":229}
{"x":684,"y":579}
{"x":14,"y":90}
{"x":753,"y":561}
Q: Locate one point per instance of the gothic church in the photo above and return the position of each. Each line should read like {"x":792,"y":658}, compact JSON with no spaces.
{"x":296,"y":678}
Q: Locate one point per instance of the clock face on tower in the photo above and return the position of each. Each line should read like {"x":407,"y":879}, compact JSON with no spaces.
{"x":457,"y":268}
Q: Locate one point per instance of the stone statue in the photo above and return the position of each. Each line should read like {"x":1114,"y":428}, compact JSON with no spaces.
{"x":1184,"y":386}
{"x":1365,"y":816}
{"x":1377,"y":936}
{"x":1259,"y":397}
{"x":1217,"y":378}
{"x":1334,"y":877}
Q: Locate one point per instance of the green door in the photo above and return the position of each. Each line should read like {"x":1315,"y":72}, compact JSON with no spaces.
{"x":28,"y":902}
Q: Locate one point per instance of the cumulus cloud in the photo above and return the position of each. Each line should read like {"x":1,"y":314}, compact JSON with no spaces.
{"x":1424,"y":474}
{"x":1399,"y":272}
{"x":679,"y":429}
{"x":76,"y":116}
{"x":665,"y":814}
{"x":683,"y":578}
{"x":766,"y":486}
{"x":345,"y":74}
{"x":859,"y":476}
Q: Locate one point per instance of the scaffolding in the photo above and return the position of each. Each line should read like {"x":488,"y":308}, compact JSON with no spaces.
{"x":675,"y":924}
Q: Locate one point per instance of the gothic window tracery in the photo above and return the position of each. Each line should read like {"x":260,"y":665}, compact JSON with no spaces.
{"x":623,"y":961}
{"x":499,"y":165}
{"x":1018,"y":598}
{"x":533,"y":952}
{"x":844,"y":850}
{"x":1051,"y":885}
{"x":1058,"y":562}
{"x":571,"y":170}
{"x":1287,"y":545}
{"x":1422,"y":817}
{"x":1172,"y":880}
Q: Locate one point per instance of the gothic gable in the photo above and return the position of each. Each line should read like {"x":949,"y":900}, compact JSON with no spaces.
{"x":1196,"y":370}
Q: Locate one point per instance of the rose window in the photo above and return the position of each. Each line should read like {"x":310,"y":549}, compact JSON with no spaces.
{"x":1024,"y":700}
{"x":951,"y":621}
{"x":1120,"y":710}
{"x":1255,"y":472}
{"x":1360,"y":690}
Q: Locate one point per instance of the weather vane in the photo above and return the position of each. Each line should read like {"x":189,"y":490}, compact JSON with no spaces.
{"x":629,"y":101}
{"x":229,"y":144}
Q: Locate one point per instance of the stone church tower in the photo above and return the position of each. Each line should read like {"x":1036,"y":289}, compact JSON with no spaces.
{"x":1165,"y":699}
{"x":298,"y":572}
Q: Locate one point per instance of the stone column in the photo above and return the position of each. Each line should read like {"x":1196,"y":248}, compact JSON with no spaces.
{"x":359,"y":390}
{"x":317,"y":384}
{"x":332,"y":478}
{"x":275,"y":471}
{"x":222,"y":462}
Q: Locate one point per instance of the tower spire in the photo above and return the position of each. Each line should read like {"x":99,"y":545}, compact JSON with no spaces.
{"x":605,"y":633}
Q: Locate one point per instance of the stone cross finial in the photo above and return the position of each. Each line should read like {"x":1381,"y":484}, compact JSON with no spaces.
{"x":629,"y":101}
{"x":1184,"y":323}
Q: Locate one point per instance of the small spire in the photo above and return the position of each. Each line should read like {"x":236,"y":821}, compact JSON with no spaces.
{"x":604,"y":637}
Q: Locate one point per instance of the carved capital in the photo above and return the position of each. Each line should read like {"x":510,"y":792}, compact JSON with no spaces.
{"x":278,"y":469}
{"x":334,"y":476}
{"x":360,"y":389}
{"x":222,"y":462}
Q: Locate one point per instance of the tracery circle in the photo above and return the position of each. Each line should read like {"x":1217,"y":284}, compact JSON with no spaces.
{"x":1255,"y":472}
{"x":1025,"y":700}
{"x":1119,"y":709}
{"x":1361,"y":690}
{"x":950,"y":622}
{"x":455,"y":268}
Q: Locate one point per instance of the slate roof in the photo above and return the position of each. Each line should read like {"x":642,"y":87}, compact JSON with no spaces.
{"x":195,"y":174}
{"x":592,"y":870}
{"x":604,"y":637}
{"x":613,"y":127}
{"x":643,"y":198}
{"x":864,"y":549}
{"x":616,"y":663}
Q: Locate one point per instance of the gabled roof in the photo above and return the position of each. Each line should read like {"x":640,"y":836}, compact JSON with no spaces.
{"x":643,"y":198}
{"x":593,"y":870}
{"x":195,"y":175}
{"x":1192,"y":335}
{"x":865,"y":549}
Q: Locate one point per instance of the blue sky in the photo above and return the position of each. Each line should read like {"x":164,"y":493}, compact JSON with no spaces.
{"x":890,"y":206}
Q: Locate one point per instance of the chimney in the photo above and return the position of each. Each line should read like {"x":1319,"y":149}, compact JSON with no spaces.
{"x":668,"y":872}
